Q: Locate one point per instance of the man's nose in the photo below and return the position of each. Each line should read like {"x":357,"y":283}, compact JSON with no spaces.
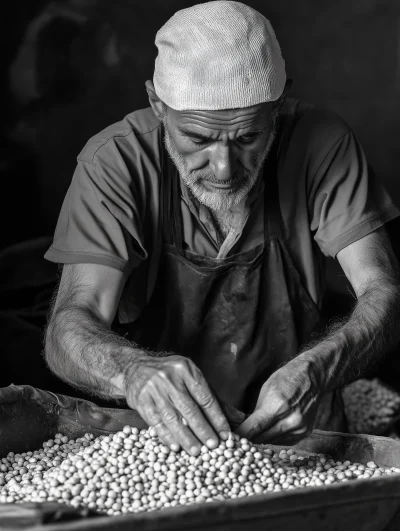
{"x":222,"y":162}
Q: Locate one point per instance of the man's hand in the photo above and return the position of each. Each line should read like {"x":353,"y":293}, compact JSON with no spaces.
{"x":286,"y":408}
{"x":172,"y":395}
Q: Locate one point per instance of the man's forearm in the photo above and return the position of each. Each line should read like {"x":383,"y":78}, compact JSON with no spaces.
{"x":351,"y":348}
{"x":83,"y":351}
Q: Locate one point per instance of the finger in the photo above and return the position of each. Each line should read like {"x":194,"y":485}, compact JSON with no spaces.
{"x":152,"y":417}
{"x":255,"y":424}
{"x":166,"y":437}
{"x":172,"y":420}
{"x":293,"y":438}
{"x":195,"y":419}
{"x":287,"y":439}
{"x":200,"y":391}
{"x":292,"y":424}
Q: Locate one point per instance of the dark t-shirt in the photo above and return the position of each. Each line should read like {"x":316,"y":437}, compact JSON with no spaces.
{"x":328,"y":197}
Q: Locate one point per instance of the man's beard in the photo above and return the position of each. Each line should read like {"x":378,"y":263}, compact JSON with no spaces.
{"x":219,"y":199}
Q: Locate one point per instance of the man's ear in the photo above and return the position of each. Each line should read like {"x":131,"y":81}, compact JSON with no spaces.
{"x":156,"y":104}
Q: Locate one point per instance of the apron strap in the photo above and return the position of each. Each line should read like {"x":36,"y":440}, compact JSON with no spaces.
{"x":170,"y":201}
{"x":273,"y":220}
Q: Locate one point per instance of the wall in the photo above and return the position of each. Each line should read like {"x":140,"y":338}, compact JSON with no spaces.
{"x":342,"y":54}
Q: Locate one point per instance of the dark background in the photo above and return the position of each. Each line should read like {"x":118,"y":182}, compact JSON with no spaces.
{"x":67,"y":78}
{"x":71,"y":68}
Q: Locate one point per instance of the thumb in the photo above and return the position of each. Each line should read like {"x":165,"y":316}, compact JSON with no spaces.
{"x":255,"y":424}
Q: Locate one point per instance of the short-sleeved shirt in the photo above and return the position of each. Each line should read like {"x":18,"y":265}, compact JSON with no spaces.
{"x":328,"y":197}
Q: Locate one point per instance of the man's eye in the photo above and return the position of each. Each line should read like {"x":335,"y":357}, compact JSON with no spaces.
{"x":246,"y":139}
{"x":198,"y":141}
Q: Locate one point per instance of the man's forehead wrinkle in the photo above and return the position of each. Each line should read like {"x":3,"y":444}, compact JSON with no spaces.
{"x":204,"y":123}
{"x":231,"y":116}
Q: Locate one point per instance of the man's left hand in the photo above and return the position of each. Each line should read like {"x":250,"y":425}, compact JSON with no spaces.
{"x":287,"y":406}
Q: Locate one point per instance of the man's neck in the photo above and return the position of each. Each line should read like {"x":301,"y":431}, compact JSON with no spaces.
{"x":224,"y":220}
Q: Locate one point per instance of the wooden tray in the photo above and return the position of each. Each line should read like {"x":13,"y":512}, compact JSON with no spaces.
{"x":359,"y":505}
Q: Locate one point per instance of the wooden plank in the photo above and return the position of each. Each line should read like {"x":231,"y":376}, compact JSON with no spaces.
{"x":348,"y":506}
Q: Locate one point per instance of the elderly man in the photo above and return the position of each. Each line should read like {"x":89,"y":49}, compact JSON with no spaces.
{"x":193,"y":237}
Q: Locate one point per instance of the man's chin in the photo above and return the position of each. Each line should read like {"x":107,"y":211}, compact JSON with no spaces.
{"x":221,"y":201}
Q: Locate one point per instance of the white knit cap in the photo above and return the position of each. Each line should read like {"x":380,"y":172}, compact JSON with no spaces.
{"x":218,"y":55}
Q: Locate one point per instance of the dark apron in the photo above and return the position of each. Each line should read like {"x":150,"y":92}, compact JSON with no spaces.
{"x":239,"y":318}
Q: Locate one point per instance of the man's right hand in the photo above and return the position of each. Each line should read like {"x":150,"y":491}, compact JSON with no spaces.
{"x":171,"y":394}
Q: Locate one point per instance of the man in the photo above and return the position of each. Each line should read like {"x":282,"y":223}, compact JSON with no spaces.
{"x":193,"y":235}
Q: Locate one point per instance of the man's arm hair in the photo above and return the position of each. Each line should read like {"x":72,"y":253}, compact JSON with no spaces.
{"x":353,"y":346}
{"x":80,"y":346}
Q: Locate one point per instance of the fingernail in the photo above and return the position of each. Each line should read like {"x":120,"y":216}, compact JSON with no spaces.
{"x":211,"y":443}
{"x":224,"y":435}
{"x":195,"y":450}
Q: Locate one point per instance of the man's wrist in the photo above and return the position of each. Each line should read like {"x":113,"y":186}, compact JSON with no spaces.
{"x":132,"y":359}
{"x":312,"y":361}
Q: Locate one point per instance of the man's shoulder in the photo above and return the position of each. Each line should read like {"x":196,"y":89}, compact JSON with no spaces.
{"x":138,"y":130}
{"x":313,"y":123}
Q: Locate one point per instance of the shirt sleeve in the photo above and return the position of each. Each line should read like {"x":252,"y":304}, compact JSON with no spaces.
{"x":346,"y":201}
{"x":100,"y":221}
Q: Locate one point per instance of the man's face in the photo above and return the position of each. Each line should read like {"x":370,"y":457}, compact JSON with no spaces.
{"x":220,"y":154}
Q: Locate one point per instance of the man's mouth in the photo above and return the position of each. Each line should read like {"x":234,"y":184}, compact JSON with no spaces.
{"x":221,"y":185}
{"x":224,"y":185}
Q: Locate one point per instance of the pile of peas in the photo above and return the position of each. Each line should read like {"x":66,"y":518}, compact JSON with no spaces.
{"x":370,"y":406}
{"x":132,"y":471}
